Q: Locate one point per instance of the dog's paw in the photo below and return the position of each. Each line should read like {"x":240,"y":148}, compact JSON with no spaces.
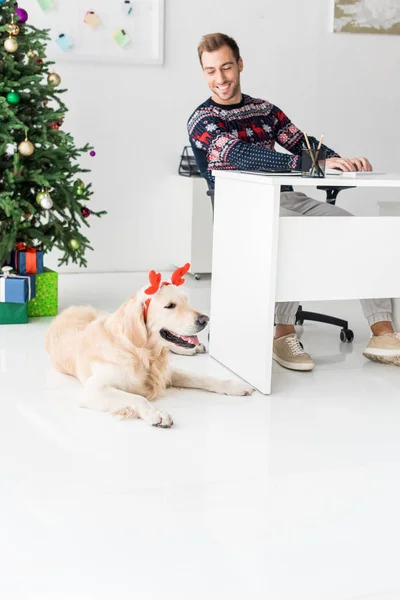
{"x":201,"y":349}
{"x":159,"y":418}
{"x":237,"y":388}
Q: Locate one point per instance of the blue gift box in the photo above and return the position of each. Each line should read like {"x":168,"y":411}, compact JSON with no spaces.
{"x":17,"y":289}
{"x":27,"y":260}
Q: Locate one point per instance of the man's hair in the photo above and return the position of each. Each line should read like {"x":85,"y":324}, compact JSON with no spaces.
{"x":215,"y":41}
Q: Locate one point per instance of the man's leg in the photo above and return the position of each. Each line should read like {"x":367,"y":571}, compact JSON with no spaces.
{"x":384,"y":345}
{"x":287,"y":350}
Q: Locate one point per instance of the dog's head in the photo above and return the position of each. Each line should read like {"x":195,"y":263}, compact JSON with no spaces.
{"x":171,"y":318}
{"x":160,"y":316}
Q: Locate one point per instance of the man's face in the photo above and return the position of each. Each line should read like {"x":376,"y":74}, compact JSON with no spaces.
{"x":222,"y":73}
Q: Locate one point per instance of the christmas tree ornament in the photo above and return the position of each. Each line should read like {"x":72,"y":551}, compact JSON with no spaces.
{"x":39,"y":61}
{"x":22,"y":15}
{"x":40,"y":196}
{"x":31,"y":54}
{"x":11,"y":45}
{"x":80,"y":191}
{"x":26,"y":148}
{"x":79,"y":183}
{"x":46,"y":202}
{"x":92,"y":153}
{"x":13,"y":98}
{"x":74,"y":244}
{"x":44,"y":199}
{"x":13,"y":28}
{"x":54,"y":79}
{"x":85,"y":212}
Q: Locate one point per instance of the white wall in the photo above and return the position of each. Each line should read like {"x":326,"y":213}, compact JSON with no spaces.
{"x":346,"y":86}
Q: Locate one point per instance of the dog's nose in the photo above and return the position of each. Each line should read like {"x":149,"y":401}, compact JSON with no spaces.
{"x":202,"y":321}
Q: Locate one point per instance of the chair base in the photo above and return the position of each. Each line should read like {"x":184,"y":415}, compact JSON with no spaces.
{"x":346,"y":334}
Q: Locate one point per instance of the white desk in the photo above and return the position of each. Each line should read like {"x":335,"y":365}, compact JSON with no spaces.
{"x":258,"y":259}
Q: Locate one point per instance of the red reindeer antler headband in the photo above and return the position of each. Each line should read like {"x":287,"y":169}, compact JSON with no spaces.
{"x":177,"y":278}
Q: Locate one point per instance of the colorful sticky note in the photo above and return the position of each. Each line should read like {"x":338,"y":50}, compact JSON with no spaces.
{"x":127,"y":7}
{"x":46,"y":4}
{"x":91,"y":18}
{"x":121,"y":37}
{"x":64,"y":42}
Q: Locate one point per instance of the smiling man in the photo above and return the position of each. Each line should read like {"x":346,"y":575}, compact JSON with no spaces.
{"x":232,"y":130}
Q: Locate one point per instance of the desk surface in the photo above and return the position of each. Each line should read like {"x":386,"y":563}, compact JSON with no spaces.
{"x":386,"y":180}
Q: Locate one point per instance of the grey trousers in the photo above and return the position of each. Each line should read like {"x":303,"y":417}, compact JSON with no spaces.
{"x":295,"y":204}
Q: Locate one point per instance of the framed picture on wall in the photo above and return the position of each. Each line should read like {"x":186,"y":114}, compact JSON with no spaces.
{"x":367,"y":16}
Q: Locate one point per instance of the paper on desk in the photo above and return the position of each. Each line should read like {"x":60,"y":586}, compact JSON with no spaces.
{"x":121,"y":37}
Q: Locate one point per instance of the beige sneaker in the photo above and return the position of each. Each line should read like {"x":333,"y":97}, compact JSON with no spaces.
{"x":289,"y":353}
{"x":384,"y":348}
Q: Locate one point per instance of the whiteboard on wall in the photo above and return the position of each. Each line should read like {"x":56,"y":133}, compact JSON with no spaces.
{"x":140,"y":21}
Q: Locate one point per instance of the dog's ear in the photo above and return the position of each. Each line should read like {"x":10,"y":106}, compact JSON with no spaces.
{"x":134,"y":327}
{"x":128,"y":321}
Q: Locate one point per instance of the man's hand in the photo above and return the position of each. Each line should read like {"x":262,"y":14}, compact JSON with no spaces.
{"x":348,"y":164}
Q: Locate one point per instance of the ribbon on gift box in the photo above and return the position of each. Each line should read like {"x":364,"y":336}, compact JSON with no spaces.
{"x":31,"y":258}
{"x":8,"y":275}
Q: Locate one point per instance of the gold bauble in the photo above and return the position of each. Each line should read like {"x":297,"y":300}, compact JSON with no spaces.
{"x":31,"y":54}
{"x":54,"y":79}
{"x":11,"y":45}
{"x":13,"y":29}
{"x":26,"y":148}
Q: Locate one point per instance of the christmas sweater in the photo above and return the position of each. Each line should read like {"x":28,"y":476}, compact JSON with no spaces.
{"x":242,"y":137}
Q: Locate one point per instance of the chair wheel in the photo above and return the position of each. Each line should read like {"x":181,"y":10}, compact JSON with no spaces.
{"x":197,"y":276}
{"x":346,"y":335}
{"x":300,"y":322}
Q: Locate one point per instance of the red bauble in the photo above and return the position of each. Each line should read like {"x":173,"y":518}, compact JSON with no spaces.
{"x":39,"y":61}
{"x":85,"y":212}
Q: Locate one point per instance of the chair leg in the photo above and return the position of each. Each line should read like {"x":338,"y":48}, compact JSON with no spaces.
{"x":346,"y":334}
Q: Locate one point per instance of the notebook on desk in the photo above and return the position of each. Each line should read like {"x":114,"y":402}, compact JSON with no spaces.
{"x":273,"y":173}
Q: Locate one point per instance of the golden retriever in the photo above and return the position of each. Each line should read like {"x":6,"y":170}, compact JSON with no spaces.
{"x":122,"y":358}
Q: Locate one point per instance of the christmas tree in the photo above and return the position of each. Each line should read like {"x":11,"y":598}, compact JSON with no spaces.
{"x":42,"y":199}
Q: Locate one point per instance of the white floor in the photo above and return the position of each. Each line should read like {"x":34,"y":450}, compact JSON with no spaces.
{"x":295,"y":496}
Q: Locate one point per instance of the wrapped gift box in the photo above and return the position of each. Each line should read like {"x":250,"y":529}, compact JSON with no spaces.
{"x":13,"y":314}
{"x":27,"y":260}
{"x":45,"y":304}
{"x":16,"y":289}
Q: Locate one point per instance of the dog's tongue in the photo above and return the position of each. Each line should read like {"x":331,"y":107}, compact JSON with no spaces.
{"x":192,"y":339}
